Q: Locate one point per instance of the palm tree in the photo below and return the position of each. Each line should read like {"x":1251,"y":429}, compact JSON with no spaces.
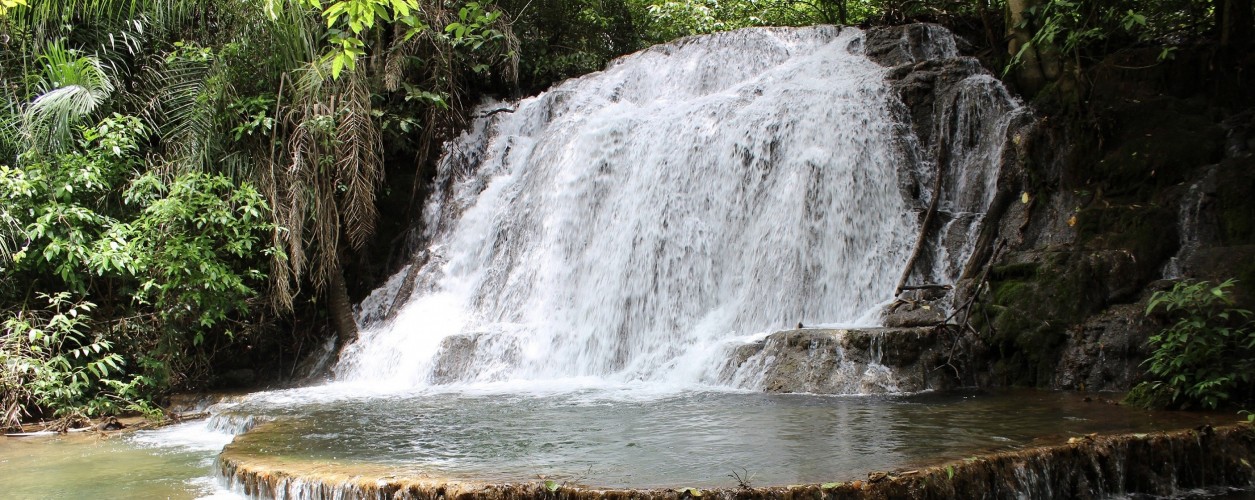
{"x":188,"y":68}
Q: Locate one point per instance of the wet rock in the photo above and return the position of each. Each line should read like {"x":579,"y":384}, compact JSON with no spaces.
{"x":908,"y":44}
{"x":843,"y":361}
{"x":907,"y":313}
{"x":459,"y":355}
{"x":110,"y":424}
{"x":1105,"y":352}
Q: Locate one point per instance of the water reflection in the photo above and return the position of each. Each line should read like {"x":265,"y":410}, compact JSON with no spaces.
{"x":692,"y":438}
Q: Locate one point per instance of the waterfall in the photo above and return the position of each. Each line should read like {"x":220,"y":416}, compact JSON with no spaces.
{"x":637,"y":223}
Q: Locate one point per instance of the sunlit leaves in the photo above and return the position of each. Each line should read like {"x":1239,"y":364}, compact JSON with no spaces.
{"x":181,"y":248}
{"x":348,"y":20}
{"x":71,"y":88}
{"x":6,"y":5}
{"x":49,"y":357}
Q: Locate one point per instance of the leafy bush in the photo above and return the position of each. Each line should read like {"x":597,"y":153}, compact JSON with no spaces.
{"x":176,"y":260}
{"x":49,"y":360}
{"x":1206,"y":355}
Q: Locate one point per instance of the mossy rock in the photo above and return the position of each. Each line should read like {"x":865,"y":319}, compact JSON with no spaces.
{"x":1031,"y":302}
{"x":1157,"y":143}
{"x":1147,"y":232}
{"x":1235,"y":201}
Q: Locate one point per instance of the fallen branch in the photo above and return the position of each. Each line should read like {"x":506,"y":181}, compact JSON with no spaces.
{"x":928,"y":217}
{"x":928,"y":286}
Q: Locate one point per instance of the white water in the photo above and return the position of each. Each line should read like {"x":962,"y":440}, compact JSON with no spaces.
{"x":634,"y":224}
{"x":624,"y":225}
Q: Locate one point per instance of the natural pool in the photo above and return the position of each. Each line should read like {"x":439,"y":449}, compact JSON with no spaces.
{"x":625,"y":437}
{"x":173,"y":462}
{"x":628,"y":438}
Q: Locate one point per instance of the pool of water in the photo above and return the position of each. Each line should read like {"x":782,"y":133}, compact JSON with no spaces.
{"x":629,"y":438}
{"x":597,"y":437}
{"x":174,"y":462}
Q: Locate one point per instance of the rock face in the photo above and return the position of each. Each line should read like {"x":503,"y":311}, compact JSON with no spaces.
{"x":962,"y":120}
{"x":1087,"y":216}
{"x":840,"y":361}
{"x":1096,"y":220}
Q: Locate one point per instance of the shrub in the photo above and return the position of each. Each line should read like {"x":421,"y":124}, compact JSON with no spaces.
{"x":1205,"y":355}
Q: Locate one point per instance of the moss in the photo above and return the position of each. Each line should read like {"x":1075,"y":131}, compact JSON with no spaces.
{"x":1027,"y":313}
{"x":1009,"y":292}
{"x":1014,"y":271}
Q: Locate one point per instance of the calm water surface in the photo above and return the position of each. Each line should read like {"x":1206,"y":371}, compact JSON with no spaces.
{"x":606,"y":438}
{"x":623,"y":439}
{"x":174,"y":462}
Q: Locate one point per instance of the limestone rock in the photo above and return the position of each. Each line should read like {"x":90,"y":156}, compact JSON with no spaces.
{"x":846,"y":361}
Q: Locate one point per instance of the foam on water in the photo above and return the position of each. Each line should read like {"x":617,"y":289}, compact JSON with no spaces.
{"x":633,"y":224}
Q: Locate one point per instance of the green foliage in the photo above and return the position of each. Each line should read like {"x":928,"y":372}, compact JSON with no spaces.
{"x":348,"y":20}
{"x":72,"y":86}
{"x":190,"y":245}
{"x":5,"y":5}
{"x":179,"y":253}
{"x":256,"y":116}
{"x":1081,"y":30}
{"x":49,"y":360}
{"x":1207,"y":353}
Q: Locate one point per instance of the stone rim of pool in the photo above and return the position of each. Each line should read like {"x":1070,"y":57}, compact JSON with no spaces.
{"x":1157,"y":463}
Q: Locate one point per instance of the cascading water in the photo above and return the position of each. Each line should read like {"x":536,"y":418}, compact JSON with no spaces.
{"x":636,"y":226}
{"x":632,"y":224}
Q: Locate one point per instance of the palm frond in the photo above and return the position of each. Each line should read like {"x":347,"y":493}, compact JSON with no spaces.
{"x":359,"y":164}
{"x":180,"y":104}
{"x":73,"y":87}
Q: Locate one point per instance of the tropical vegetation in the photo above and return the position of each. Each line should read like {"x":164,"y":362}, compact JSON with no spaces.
{"x":1205,"y":355}
{"x":191,"y":187}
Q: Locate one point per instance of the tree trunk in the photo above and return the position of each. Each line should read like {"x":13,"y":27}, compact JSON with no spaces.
{"x":1037,"y":65}
{"x":341,"y":308}
{"x":1028,"y":74}
{"x":1235,"y":21}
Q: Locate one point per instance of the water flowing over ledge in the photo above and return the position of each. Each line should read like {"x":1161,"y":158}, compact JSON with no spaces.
{"x":641,"y":223}
{"x":640,"y":230}
{"x":1162,"y":464}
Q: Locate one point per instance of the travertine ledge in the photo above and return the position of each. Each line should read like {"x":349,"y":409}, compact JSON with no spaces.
{"x":1160,"y":463}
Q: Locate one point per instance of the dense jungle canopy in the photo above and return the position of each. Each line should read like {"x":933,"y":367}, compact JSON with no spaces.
{"x":192,"y":188}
